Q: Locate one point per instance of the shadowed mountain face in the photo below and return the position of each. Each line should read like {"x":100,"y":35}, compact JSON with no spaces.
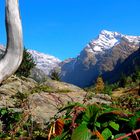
{"x":100,"y":56}
{"x":127,"y":67}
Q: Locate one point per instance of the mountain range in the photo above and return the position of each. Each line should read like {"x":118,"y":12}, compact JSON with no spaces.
{"x":45,"y":63}
{"x":109,"y":55}
{"x":100,"y":57}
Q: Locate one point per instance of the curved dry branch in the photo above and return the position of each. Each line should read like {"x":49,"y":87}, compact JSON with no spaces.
{"x":14,"y":51}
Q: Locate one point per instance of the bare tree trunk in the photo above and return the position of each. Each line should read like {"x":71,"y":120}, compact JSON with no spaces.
{"x":14,"y":51}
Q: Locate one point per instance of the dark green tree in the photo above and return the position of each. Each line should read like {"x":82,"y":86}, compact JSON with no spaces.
{"x":27,"y":64}
{"x":136,"y":75}
{"x":123,"y":80}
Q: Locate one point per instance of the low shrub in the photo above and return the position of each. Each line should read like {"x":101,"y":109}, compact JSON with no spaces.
{"x":129,"y":102}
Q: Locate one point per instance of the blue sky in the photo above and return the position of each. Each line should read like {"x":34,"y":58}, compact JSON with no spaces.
{"x":63,"y":27}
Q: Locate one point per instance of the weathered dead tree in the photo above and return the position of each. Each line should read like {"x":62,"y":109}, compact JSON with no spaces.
{"x":14,"y":48}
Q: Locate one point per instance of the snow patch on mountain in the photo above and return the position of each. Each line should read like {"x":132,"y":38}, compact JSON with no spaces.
{"x":44,"y":62}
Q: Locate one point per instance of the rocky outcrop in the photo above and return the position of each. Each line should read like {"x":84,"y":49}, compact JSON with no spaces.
{"x":43,"y":100}
{"x":42,"y":104}
{"x":38,"y":75}
{"x":100,"y":98}
{"x":12,"y":86}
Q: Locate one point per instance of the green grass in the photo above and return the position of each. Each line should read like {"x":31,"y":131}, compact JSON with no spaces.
{"x":45,"y":88}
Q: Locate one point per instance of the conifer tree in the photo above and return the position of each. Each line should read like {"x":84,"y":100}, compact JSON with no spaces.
{"x":55,"y":75}
{"x":99,"y":86}
{"x":27,"y":64}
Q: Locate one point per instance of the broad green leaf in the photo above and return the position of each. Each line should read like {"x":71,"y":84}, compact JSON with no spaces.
{"x":81,"y":133}
{"x":3,"y":112}
{"x":107,"y":109}
{"x":119,"y":135}
{"x":11,"y":126}
{"x":98,"y":124}
{"x":133,"y":121}
{"x":91,"y":114}
{"x":124,"y":119}
{"x":104,"y":124}
{"x":106,"y":133}
{"x":114,"y":125}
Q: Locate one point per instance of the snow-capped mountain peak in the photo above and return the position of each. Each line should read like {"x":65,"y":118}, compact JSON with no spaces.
{"x":101,"y":56}
{"x":109,"y":33}
{"x":108,"y":39}
{"x":105,"y":40}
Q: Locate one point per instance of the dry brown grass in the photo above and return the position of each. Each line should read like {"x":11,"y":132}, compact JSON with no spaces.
{"x":125,"y":91}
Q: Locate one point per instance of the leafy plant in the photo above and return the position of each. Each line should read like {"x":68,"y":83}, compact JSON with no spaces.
{"x":91,"y":115}
{"x":134,"y":121}
{"x":85,"y":135}
{"x":20,"y":98}
{"x":16,"y":124}
{"x":94,"y":121}
{"x":109,"y":88}
{"x":106,"y":133}
{"x":129,"y":102}
{"x":9,"y":118}
{"x":114,"y":125}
